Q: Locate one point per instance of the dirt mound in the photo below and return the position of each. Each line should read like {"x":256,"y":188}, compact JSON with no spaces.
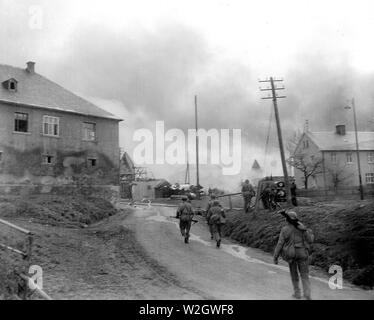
{"x":344,"y":235}
{"x":43,"y":210}
{"x":57,"y":210}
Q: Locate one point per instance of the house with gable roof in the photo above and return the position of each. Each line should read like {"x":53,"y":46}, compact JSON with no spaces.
{"x":337,"y":150}
{"x":48,"y":133}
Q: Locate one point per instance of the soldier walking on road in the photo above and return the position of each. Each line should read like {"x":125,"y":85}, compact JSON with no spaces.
{"x":185,"y":215}
{"x":217,"y":218}
{"x":210,"y":204}
{"x":294,"y":246}
{"x":248,"y":192}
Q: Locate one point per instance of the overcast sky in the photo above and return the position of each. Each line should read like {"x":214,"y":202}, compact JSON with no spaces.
{"x":145,"y":61}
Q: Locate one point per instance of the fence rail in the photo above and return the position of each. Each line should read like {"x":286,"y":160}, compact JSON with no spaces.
{"x":25,"y":255}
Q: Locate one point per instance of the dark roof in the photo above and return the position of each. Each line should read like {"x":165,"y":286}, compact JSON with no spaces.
{"x":127,"y":165}
{"x":161,"y":183}
{"x":35,"y":90}
{"x":331,"y":141}
{"x":256,"y":166}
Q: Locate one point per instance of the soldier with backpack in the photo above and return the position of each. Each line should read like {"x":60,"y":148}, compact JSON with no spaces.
{"x":294,"y":246}
{"x":185,"y":215}
{"x":213,"y":198}
{"x":248,"y":193}
{"x":217,"y":218}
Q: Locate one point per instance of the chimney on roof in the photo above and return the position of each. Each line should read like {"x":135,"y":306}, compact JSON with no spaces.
{"x":340,"y":129}
{"x":30,"y":67}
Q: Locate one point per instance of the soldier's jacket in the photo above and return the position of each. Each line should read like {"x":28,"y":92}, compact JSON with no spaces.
{"x":210,"y":205}
{"x":294,"y":242}
{"x":214,"y":214}
{"x":248,"y":190}
{"x":185,"y":211}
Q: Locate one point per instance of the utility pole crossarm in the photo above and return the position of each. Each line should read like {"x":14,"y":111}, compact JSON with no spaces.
{"x":270,"y":89}
{"x":271,"y":80}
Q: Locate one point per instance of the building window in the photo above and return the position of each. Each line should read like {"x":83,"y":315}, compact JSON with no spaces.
{"x":21,"y":122}
{"x":333,"y":158}
{"x":371,"y":157}
{"x":349,"y":158}
{"x":369,"y":178}
{"x":1,"y":156}
{"x":306,"y":144}
{"x":89,"y":131}
{"x":12,"y":86}
{"x":51,"y":126}
{"x":92,"y":162}
{"x":47,"y":159}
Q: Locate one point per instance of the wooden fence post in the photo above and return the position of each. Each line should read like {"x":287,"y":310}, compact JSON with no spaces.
{"x":230,"y":203}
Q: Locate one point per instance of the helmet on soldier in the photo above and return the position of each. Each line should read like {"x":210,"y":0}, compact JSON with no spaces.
{"x":292,"y":214}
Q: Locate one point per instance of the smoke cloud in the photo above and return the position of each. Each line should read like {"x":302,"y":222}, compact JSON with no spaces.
{"x":145,"y":74}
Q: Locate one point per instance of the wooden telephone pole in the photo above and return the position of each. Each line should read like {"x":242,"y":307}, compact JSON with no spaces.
{"x":197,"y":151}
{"x":187,"y":175}
{"x":275,"y":97}
{"x":357,"y":149}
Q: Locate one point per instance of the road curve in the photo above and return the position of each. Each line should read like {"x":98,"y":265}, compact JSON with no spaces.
{"x":231,"y":272}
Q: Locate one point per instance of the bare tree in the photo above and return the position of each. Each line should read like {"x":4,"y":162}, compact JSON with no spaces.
{"x":308,"y":166}
{"x":338,"y":174}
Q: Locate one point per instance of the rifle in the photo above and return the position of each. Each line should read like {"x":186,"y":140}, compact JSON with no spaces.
{"x":193,"y":220}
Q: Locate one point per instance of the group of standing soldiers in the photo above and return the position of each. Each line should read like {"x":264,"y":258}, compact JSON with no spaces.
{"x":268,"y":195}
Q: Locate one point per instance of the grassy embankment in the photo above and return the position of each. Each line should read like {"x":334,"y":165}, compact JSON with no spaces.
{"x":344,"y":235}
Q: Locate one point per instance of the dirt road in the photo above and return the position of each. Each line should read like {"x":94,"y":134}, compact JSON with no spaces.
{"x":231,"y":272}
{"x":140,"y":254}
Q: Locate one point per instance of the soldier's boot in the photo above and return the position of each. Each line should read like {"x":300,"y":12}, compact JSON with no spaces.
{"x":211,"y":232}
{"x":297,"y":292}
{"x":186,"y":237}
{"x":218,"y":243}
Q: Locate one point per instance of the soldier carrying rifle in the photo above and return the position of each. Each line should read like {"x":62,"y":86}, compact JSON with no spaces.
{"x":294,"y":246}
{"x":213,"y":198}
{"x":185,"y":215}
{"x":216,"y":218}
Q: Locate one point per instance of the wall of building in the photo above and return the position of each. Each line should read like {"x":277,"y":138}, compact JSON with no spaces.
{"x":22,"y":153}
{"x":348,"y":172}
{"x":143,"y":190}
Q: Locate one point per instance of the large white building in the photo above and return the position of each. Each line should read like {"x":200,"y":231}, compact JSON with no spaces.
{"x":336,"y":152}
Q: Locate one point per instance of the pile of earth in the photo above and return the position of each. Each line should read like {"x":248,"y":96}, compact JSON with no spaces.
{"x":57,"y":210}
{"x":344,"y":235}
{"x":44,"y":210}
